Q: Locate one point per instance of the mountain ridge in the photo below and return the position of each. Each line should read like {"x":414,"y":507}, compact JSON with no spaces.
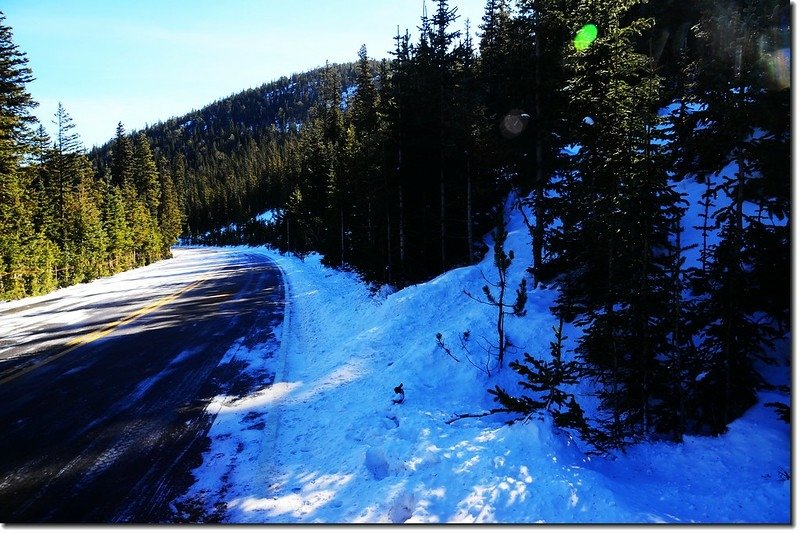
{"x":212,"y":150}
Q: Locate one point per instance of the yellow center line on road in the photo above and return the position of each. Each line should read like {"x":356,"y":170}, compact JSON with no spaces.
{"x":105,"y":330}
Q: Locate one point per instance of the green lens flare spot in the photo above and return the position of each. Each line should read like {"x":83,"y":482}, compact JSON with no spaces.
{"x":585,"y":37}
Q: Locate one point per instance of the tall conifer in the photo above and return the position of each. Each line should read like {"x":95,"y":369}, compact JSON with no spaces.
{"x":121,"y":158}
{"x":613,"y":271}
{"x":740,"y":140}
{"x":64,"y":164}
{"x":16,"y":105}
{"x":145,"y":174}
{"x":169,"y":213}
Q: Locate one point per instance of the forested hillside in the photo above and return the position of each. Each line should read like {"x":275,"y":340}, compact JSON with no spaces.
{"x":229,"y":159}
{"x":600,"y":115}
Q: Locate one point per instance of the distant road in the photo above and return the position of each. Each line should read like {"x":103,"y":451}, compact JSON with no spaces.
{"x":103,"y":386}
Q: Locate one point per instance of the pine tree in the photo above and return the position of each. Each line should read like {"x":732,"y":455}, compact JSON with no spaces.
{"x":86,"y":247}
{"x":441,"y":39}
{"x":614,"y":208}
{"x":369,"y":179}
{"x":311,"y":202}
{"x":536,"y":76}
{"x":122,"y":158}
{"x":499,"y":300}
{"x":41,"y":263}
{"x":147,"y":245}
{"x":16,"y":228}
{"x":395,"y":108}
{"x":145,"y":174}
{"x":169,"y":214}
{"x":16,"y":103}
{"x":42,"y":253}
{"x":470,"y":133}
{"x":496,"y":56}
{"x":364,"y":114}
{"x":296,"y":221}
{"x":15,"y":117}
{"x":120,"y":234}
{"x":740,"y":137}
{"x":549,"y":381}
{"x":46,"y":213}
{"x":433,"y":131}
{"x":338,"y":146}
{"x":64,"y":164}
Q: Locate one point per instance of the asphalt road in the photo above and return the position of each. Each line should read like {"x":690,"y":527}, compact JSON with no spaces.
{"x":103,"y":417}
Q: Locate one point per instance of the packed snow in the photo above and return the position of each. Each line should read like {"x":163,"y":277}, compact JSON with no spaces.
{"x":325,"y":442}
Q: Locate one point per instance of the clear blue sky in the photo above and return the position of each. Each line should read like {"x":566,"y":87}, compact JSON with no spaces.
{"x":144,"y":61}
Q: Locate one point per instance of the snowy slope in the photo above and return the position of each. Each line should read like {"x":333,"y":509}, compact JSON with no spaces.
{"x":325,"y":443}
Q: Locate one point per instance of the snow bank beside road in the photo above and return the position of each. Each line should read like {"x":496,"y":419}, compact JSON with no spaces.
{"x":325,"y":443}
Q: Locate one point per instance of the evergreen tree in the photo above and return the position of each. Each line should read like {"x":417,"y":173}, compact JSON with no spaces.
{"x":740,"y":142}
{"x":15,"y":117}
{"x":42,"y":262}
{"x":496,"y":56}
{"x":536,"y":81}
{"x":64,"y":164}
{"x":372,"y":221}
{"x":145,"y":174}
{"x":86,"y":247}
{"x":311,"y":203}
{"x":16,"y":103}
{"x":364,"y":114}
{"x":122,"y":158}
{"x":443,"y":60}
{"x":502,"y":262}
{"x":147,"y":245}
{"x":433,"y":131}
{"x":120,"y":234}
{"x":169,"y":214}
{"x":45,"y":214}
{"x":549,"y":381}
{"x":395,"y":108}
{"x":37,"y":265}
{"x":614,"y":209}
{"x":14,"y":226}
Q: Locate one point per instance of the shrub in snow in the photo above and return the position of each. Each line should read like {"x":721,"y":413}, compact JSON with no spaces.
{"x":547,"y":379}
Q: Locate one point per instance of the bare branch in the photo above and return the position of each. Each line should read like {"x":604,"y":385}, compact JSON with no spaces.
{"x":440,"y":344}
{"x":481,"y":415}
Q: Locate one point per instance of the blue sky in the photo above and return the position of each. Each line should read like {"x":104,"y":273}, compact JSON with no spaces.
{"x":146,"y":61}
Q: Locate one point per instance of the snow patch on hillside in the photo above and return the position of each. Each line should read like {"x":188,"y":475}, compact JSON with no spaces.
{"x":325,"y":443}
